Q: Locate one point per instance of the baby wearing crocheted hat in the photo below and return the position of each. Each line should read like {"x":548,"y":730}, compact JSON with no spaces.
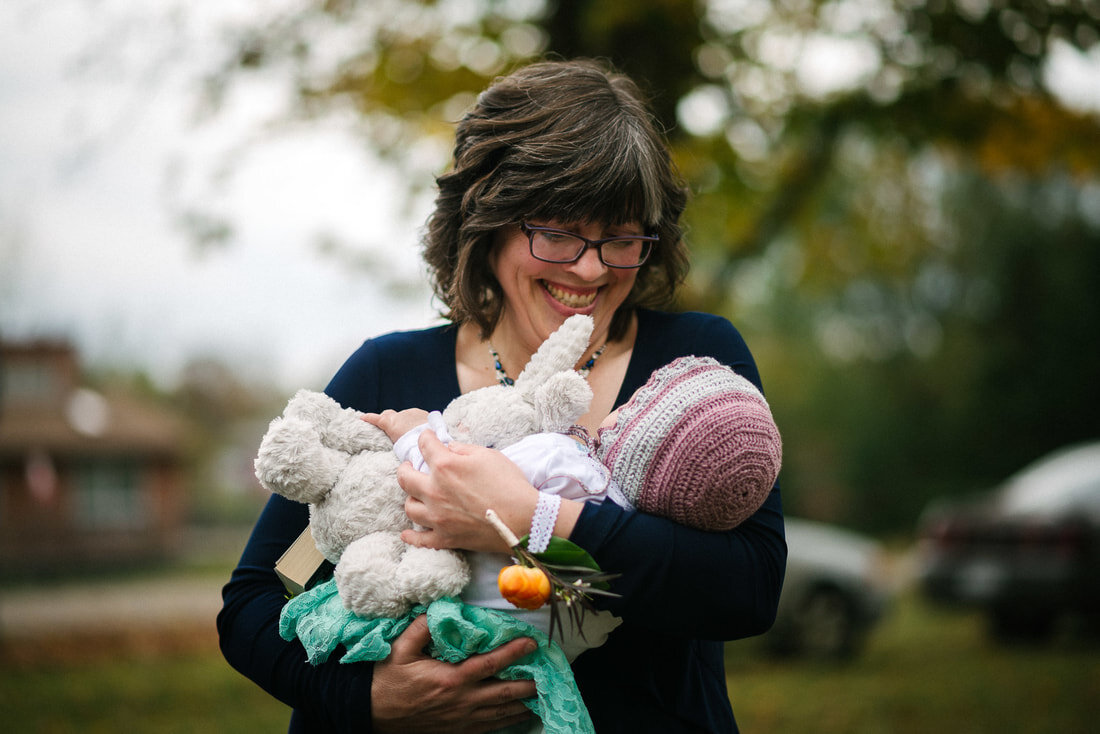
{"x":697,"y":444}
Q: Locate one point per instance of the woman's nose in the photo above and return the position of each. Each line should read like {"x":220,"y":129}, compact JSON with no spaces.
{"x":589,"y":266}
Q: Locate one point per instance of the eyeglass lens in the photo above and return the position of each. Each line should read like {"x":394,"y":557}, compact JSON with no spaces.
{"x":563,"y":247}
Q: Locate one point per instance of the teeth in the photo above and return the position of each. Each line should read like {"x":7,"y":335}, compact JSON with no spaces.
{"x":572,"y":300}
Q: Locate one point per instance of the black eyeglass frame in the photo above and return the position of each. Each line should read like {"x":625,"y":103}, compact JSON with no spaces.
{"x":647,"y":240}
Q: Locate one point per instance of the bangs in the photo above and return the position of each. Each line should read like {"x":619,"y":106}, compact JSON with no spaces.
{"x":567,"y":142}
{"x":612,"y":179}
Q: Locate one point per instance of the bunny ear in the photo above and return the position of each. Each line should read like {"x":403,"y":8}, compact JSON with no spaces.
{"x":559,"y":352}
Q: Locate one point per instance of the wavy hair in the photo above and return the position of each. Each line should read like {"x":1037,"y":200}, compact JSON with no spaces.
{"x":568,"y":140}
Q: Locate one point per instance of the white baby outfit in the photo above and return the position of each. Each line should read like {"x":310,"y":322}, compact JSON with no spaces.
{"x":553,"y":463}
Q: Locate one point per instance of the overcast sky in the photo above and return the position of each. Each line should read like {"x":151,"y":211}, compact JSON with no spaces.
{"x":97,"y":160}
{"x":98,"y":157}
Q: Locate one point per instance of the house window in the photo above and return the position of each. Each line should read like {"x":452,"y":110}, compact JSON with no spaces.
{"x":30,"y":383}
{"x":109,"y":497}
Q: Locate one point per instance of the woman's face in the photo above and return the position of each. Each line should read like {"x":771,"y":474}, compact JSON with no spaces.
{"x":539,"y":296}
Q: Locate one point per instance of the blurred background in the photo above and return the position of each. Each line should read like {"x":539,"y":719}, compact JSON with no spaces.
{"x":206,"y":207}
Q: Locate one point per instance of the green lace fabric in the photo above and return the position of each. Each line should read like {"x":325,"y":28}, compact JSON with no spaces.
{"x":319,"y":620}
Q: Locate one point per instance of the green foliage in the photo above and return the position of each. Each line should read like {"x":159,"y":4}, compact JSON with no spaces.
{"x":971,"y":360}
{"x":651,"y":41}
{"x":910,"y":249}
{"x":562,"y":552}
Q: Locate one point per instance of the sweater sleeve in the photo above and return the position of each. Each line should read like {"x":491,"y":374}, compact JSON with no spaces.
{"x":334,"y":696}
{"x":732,"y":579}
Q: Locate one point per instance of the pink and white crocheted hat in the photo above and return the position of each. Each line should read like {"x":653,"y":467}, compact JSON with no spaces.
{"x":697,"y":444}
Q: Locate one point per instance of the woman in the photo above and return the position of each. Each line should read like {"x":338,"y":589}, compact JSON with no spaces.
{"x":562,"y":199}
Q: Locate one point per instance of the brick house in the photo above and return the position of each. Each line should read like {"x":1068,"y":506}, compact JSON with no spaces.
{"x":87,"y":479}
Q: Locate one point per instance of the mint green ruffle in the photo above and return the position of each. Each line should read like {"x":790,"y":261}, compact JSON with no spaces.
{"x":320,"y":621}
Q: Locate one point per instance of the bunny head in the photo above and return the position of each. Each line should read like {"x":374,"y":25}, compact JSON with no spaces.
{"x":547,"y":396}
{"x":305,"y":451}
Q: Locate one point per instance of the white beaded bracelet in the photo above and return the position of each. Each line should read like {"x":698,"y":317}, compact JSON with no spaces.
{"x":543,"y":521}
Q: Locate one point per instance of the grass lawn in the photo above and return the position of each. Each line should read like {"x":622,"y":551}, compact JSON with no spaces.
{"x":923,"y":671}
{"x":138,"y":693}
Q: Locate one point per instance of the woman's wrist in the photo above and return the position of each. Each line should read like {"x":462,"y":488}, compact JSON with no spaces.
{"x":520,"y":516}
{"x":568,"y":514}
{"x":518,"y":513}
{"x":543,"y":521}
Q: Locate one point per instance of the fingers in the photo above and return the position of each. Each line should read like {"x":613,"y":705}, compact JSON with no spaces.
{"x":378,"y":419}
{"x":502,"y":722}
{"x":417,"y":636}
{"x":417,"y":486}
{"x":410,"y":644}
{"x":497,"y":701}
{"x":426,"y":538}
{"x":395,"y":424}
{"x":411,"y":691}
{"x":486,"y":665}
{"x":412,"y":481}
{"x":465,"y":449}
{"x":510,"y":709}
{"x":431,"y":448}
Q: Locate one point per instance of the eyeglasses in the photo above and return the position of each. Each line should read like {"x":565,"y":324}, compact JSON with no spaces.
{"x":558,"y":246}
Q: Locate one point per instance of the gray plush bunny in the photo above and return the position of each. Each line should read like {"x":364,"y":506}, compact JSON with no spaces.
{"x":345,"y":469}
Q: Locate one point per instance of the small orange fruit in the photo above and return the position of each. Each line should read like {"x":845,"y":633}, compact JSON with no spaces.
{"x":523,"y":586}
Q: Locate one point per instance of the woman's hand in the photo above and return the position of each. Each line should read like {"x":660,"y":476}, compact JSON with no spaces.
{"x":396,"y":424}
{"x":412,"y":692}
{"x":449,"y":501}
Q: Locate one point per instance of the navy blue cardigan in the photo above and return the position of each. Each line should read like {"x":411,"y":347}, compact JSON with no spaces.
{"x":683,"y":591}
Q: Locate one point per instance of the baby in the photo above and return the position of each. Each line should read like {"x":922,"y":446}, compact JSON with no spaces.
{"x":696,"y":444}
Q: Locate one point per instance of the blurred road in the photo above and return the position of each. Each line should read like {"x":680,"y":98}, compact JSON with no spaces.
{"x":108,"y":606}
{"x":85,"y":618}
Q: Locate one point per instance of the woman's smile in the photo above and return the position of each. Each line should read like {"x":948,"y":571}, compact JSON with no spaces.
{"x":577,"y":299}
{"x":541,"y":295}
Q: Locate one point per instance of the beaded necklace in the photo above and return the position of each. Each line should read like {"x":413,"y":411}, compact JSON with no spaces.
{"x":505,"y":380}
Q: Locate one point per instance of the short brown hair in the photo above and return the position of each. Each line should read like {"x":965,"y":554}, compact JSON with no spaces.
{"x":567,"y":140}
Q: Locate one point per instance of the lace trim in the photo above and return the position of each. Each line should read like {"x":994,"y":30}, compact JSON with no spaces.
{"x":581,"y":434}
{"x":319,"y":620}
{"x":542,"y":522}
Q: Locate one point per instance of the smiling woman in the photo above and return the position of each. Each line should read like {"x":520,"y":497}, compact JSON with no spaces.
{"x":517,"y":159}
{"x":562,"y":200}
{"x":540,"y":295}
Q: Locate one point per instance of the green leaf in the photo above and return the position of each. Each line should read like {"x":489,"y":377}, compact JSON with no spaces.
{"x":562,"y":552}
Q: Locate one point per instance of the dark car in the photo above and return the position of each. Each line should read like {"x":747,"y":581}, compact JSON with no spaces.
{"x":1027,"y":553}
{"x":834,"y":591}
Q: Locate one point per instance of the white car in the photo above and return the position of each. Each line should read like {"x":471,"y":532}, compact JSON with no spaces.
{"x":1027,"y":553}
{"x":834,"y":592}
